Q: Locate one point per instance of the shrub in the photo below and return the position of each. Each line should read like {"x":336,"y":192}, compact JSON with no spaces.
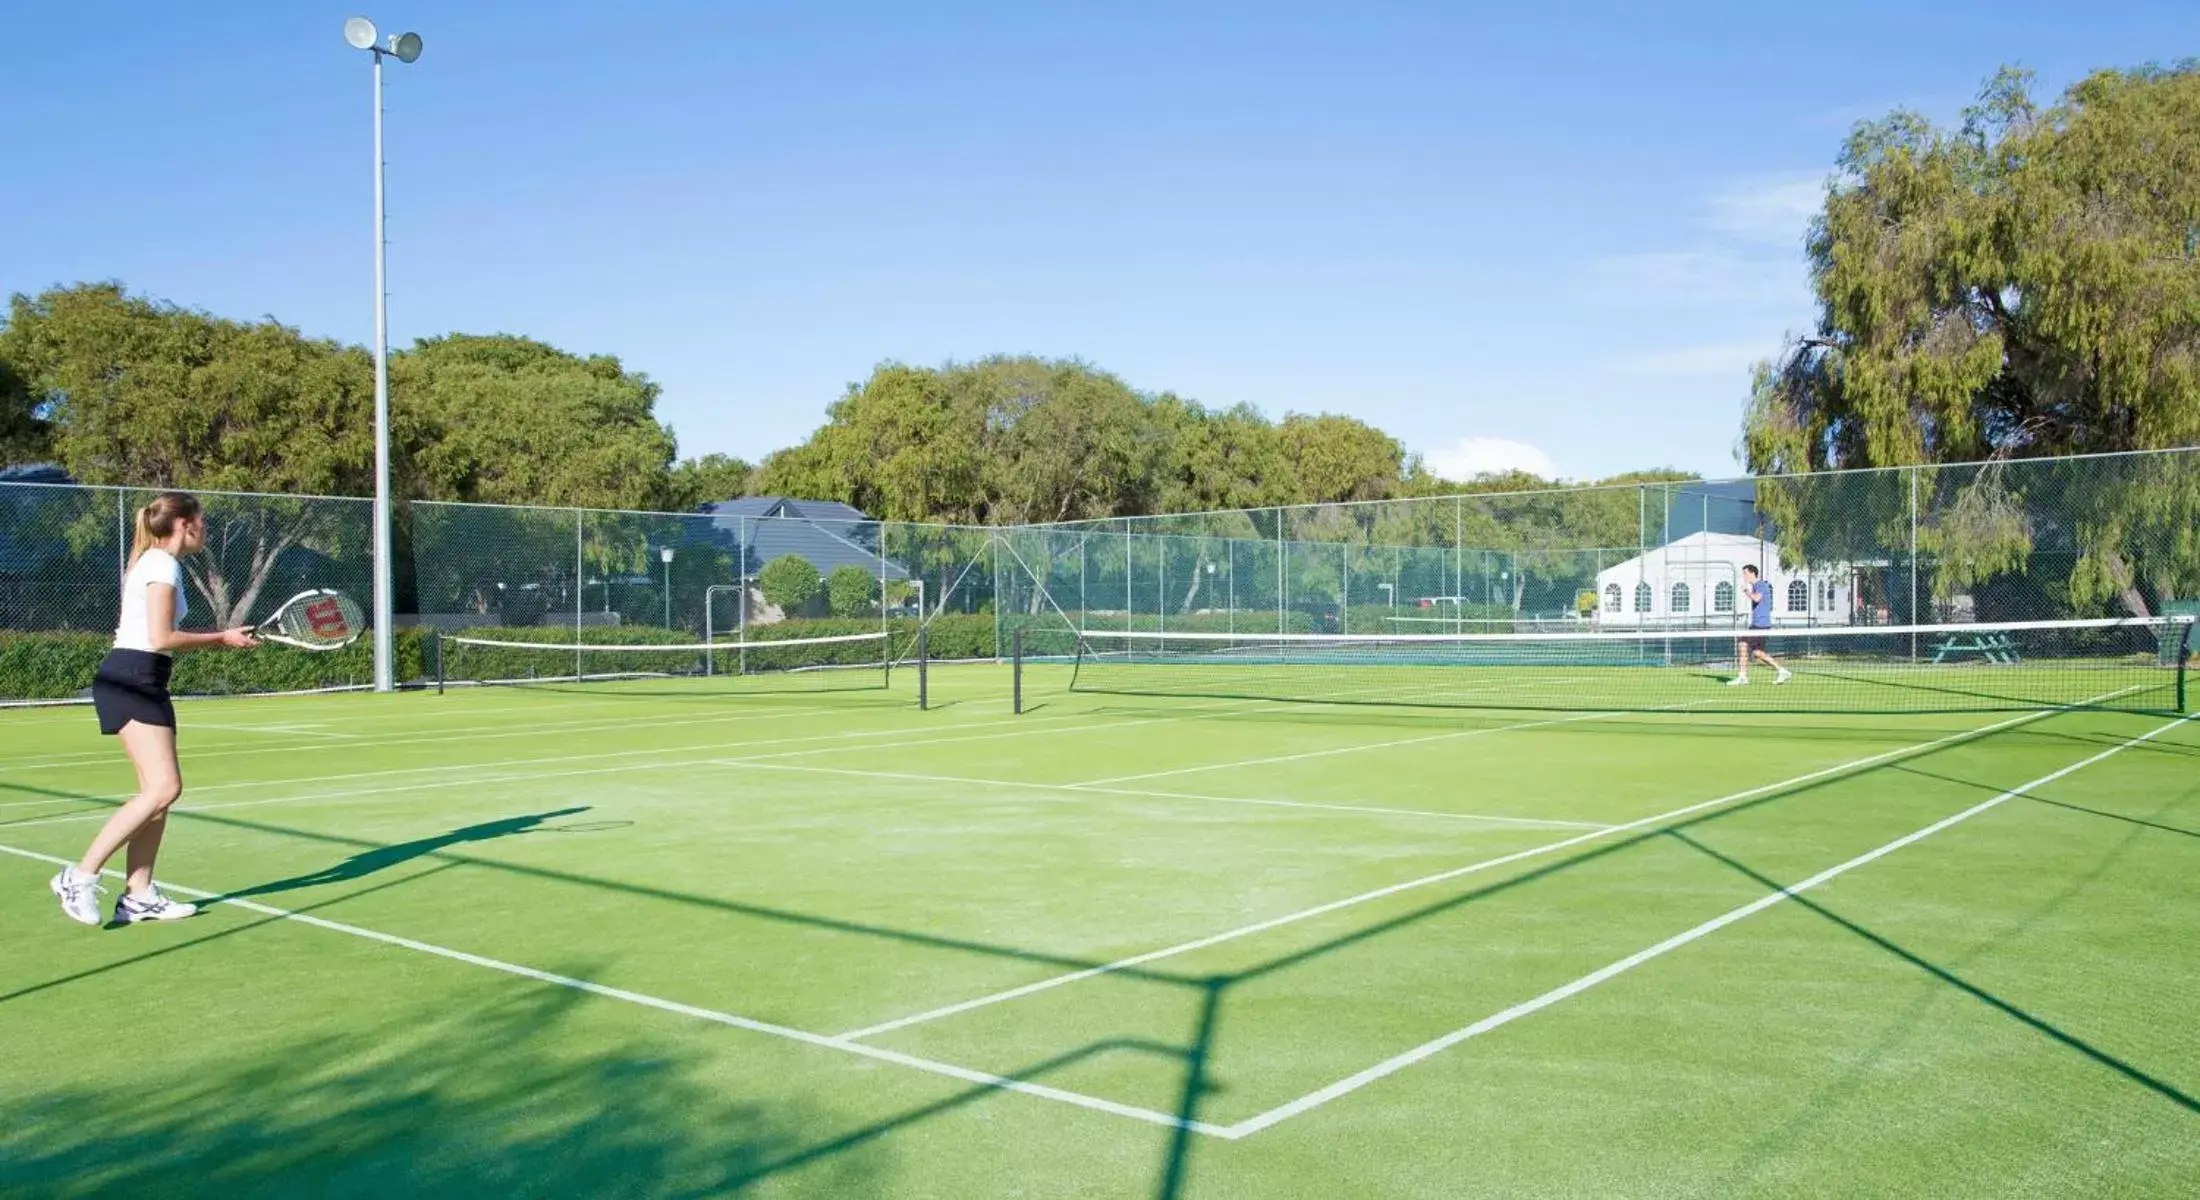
{"x":851,"y":591}
{"x":789,"y":583}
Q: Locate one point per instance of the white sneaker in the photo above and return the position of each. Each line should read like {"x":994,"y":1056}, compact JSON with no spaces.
{"x":1738,"y":681}
{"x":1783,"y":676}
{"x":152,"y":906}
{"x":79,"y":895}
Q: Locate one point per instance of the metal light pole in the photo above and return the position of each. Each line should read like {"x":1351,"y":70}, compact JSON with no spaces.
{"x":405,"y":47}
{"x":667,"y":553}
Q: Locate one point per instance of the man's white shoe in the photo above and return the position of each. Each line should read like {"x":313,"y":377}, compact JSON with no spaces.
{"x":1738,"y":681}
{"x":1783,"y":676}
{"x":79,"y":895}
{"x":152,"y":906}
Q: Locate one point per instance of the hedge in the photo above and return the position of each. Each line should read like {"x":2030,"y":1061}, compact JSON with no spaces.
{"x":47,"y":666}
{"x":58,"y":666}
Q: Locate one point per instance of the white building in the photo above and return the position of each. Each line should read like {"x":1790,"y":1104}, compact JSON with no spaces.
{"x":1696,"y":581}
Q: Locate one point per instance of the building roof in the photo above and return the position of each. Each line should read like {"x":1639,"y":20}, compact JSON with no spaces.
{"x":827,"y":533}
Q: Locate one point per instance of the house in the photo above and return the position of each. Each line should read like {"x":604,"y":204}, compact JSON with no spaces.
{"x":829,"y":534}
{"x":1695,"y":582}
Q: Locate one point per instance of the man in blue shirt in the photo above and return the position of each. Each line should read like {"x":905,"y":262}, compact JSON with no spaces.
{"x":1752,"y":644}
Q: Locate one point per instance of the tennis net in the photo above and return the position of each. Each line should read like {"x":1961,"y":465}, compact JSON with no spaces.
{"x":2125,"y":663}
{"x":845,"y":662}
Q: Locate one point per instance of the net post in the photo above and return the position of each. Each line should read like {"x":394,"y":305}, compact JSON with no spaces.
{"x":1016,"y":667}
{"x":924,"y":669}
{"x":435,"y":637}
{"x":2184,"y":664}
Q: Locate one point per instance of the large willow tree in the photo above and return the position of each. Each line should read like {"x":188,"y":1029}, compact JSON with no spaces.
{"x":2025,"y":285}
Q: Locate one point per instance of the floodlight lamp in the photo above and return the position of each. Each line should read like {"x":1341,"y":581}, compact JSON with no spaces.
{"x":666,"y":552}
{"x":360,"y":32}
{"x":406,"y":46}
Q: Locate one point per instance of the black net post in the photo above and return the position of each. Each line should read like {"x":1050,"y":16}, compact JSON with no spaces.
{"x":923,"y":668}
{"x":1016,"y":668}
{"x":435,"y":647}
{"x":2184,"y":665}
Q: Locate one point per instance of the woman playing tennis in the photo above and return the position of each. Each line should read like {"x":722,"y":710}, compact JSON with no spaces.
{"x":130,"y":693}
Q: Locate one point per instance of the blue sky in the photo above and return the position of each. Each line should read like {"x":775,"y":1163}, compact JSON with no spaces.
{"x":1551,"y":236}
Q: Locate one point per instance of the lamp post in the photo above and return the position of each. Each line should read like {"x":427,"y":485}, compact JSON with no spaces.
{"x":666,"y":553}
{"x":405,"y":47}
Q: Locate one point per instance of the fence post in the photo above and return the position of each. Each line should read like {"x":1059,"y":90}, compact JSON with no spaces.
{"x":1016,"y":667}
{"x":1913,"y":561}
{"x":924,"y":668}
{"x":578,"y":520}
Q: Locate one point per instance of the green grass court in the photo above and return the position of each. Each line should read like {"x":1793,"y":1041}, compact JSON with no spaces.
{"x":670,"y":939}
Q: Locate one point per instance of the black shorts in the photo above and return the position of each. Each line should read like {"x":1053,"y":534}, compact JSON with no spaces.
{"x":132,"y":685}
{"x":1753,"y":643}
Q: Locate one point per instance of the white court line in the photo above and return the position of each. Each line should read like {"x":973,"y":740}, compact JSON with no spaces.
{"x":537,"y":760}
{"x":1315,"y":1099}
{"x":1358,"y":747}
{"x":276,"y":730}
{"x":1012,"y":784}
{"x":1023,"y":729}
{"x":1136,"y":960}
{"x":463,"y":734}
{"x":826,"y":1041}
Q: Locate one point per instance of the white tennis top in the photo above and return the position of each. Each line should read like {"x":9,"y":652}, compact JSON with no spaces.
{"x":153,"y":566}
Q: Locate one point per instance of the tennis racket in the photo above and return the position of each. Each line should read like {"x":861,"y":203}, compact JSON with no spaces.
{"x":314,"y":619}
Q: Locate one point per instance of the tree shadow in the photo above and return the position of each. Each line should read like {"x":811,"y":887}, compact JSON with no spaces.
{"x":494,"y":1098}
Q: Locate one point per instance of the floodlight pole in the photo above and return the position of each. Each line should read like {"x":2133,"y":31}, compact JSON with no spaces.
{"x":362,"y":35}
{"x":385,"y":675}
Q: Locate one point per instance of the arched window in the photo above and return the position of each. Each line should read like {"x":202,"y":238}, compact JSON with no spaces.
{"x":1680,"y":597}
{"x":1642,"y":597}
{"x":1798,"y":596}
{"x":1722,"y":597}
{"x":1825,"y":599}
{"x":1611,"y":598}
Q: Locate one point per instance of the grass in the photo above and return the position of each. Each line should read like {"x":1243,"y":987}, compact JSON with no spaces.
{"x":664,"y":939}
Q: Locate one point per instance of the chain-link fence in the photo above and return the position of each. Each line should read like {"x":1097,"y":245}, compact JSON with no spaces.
{"x":2108,"y":535}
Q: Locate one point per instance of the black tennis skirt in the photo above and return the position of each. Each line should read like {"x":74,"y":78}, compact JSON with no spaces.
{"x":132,"y":685}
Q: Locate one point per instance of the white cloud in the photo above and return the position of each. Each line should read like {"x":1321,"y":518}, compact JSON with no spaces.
{"x":1665,"y":279}
{"x":1472,"y":456}
{"x":1720,"y":360}
{"x":1769,"y":210}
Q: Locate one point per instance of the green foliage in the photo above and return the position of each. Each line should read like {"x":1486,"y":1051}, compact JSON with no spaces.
{"x":2024,"y":285}
{"x":790,"y":583}
{"x":707,"y":480}
{"x":1011,"y":440}
{"x":850,"y":591}
{"x":509,"y":420}
{"x":54,"y":666}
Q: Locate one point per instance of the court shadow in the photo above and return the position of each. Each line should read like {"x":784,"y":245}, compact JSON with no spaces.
{"x":2131,"y":1072}
{"x":382,"y":858}
{"x":502,"y":1094}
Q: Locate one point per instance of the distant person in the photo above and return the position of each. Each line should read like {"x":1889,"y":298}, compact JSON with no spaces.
{"x":130,"y":694}
{"x":1752,"y":644}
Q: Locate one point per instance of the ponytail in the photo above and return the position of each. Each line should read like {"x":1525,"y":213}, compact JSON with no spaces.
{"x":157,"y":521}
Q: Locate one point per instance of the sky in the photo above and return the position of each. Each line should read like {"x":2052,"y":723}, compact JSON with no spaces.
{"x":1550,"y":237}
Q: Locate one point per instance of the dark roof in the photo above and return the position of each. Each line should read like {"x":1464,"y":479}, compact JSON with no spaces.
{"x":826,"y":532}
{"x":787,"y":506}
{"x":34,"y":473}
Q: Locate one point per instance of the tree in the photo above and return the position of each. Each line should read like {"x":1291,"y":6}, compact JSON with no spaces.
{"x":789,"y":583}
{"x":25,"y":434}
{"x":2022,"y":286}
{"x":707,"y":480}
{"x":509,"y":420}
{"x":1332,"y":458}
{"x":851,"y":591}
{"x":139,"y":393}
